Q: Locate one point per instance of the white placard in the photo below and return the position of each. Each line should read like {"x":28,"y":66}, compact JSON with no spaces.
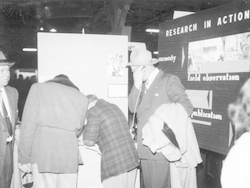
{"x":117,"y":91}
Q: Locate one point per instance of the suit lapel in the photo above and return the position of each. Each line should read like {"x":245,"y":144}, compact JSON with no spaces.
{"x":150,"y":93}
{"x":11,"y":104}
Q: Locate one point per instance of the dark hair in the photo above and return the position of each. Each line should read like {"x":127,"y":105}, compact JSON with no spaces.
{"x":62,"y":76}
{"x":92,"y":98}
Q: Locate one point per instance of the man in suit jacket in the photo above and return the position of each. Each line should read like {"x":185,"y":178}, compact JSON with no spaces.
{"x":53,"y":118}
{"x":152,"y":87}
{"x":9,"y":99}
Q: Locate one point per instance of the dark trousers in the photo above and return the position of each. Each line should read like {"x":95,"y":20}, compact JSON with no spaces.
{"x":155,"y":173}
{"x":6,"y":175}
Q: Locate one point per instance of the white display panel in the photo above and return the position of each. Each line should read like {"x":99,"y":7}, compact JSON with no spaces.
{"x":93,"y":63}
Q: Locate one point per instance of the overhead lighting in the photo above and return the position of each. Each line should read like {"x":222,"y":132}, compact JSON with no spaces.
{"x":53,"y":30}
{"x":155,"y":52}
{"x":153,"y":30}
{"x":178,"y":14}
{"x":29,"y":49}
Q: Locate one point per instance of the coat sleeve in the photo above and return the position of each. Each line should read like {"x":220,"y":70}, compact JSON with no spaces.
{"x":84,"y":113}
{"x":92,"y":128}
{"x":28,"y":125}
{"x":177,"y":94}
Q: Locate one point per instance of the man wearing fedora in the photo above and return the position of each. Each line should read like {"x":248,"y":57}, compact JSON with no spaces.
{"x":8,"y":120}
{"x":152,"y":88}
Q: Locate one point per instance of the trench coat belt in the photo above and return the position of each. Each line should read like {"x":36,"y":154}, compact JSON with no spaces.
{"x":53,"y":127}
{"x":80,"y":161}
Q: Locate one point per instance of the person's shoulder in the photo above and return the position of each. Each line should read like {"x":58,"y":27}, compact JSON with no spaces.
{"x":73,"y":92}
{"x":85,"y":99}
{"x":10,"y":89}
{"x":168,"y":76}
{"x":35,"y":85}
{"x":244,"y":140}
{"x":241,"y":149}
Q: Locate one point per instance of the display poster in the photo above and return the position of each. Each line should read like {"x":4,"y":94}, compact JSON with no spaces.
{"x":210,"y":52}
{"x":95,"y":64}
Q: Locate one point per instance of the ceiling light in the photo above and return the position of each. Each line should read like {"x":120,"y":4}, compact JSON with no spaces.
{"x":29,"y":49}
{"x":153,"y":30}
{"x":53,"y":30}
{"x":178,"y":14}
{"x":155,"y":52}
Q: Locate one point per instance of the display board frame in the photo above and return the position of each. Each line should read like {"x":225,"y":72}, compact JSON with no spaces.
{"x":96,"y":65}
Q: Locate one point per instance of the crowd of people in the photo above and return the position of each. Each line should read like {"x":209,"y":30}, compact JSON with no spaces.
{"x":56,"y":113}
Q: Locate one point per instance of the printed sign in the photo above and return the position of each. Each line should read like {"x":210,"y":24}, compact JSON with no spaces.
{"x":210,"y":53}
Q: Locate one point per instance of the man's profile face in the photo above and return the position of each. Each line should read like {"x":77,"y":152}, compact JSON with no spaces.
{"x":146,"y":69}
{"x":134,"y":68}
{"x":4,"y":75}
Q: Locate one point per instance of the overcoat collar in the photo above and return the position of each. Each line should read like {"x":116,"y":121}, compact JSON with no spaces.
{"x":11,"y":104}
{"x":64,"y":80}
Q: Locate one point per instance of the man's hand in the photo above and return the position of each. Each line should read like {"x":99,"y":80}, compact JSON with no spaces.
{"x":88,"y":143}
{"x":26,"y":168}
{"x":138,"y":73}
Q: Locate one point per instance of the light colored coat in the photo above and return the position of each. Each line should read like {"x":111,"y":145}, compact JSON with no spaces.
{"x":53,"y":113}
{"x":166,"y":88}
{"x":184,"y":160}
{"x":235,"y":171}
{"x":178,"y":120}
{"x":12,"y":97}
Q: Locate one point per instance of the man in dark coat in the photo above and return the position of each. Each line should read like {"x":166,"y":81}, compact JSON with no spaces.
{"x":8,"y":120}
{"x":152,"y":88}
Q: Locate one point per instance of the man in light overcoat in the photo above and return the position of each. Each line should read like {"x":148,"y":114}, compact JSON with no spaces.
{"x":52,"y":120}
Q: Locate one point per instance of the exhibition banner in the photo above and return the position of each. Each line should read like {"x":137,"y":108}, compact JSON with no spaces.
{"x":228,"y":19}
{"x":210,"y":52}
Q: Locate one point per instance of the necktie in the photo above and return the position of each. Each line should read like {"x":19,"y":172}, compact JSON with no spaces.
{"x":6,"y":117}
{"x":143,"y":91}
{"x":137,"y":103}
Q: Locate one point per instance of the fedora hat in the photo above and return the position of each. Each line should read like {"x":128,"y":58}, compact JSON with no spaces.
{"x":3,"y":61}
{"x":140,"y":57}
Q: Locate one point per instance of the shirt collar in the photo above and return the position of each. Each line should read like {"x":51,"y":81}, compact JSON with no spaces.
{"x":2,"y":90}
{"x":151,"y":78}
